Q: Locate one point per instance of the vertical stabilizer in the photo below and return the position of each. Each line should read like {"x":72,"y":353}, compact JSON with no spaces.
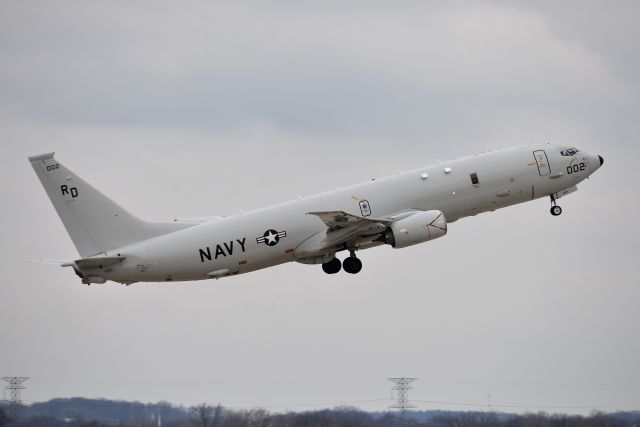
{"x":95,"y":223}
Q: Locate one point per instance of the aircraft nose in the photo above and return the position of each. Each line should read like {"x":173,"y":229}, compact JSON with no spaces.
{"x":601,"y":160}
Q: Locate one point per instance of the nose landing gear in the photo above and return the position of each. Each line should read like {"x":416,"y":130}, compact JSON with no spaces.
{"x":555,"y":209}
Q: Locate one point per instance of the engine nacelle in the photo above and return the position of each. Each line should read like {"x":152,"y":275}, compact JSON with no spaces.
{"x":416,"y":228}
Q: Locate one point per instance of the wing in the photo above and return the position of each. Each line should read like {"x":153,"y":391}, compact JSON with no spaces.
{"x":335,"y":220}
{"x":344,"y":231}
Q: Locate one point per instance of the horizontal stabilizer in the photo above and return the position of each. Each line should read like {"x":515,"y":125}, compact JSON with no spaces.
{"x":96,"y":262}
{"x":49,"y":261}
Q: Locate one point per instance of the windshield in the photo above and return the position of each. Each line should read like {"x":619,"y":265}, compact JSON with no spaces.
{"x":569,"y":152}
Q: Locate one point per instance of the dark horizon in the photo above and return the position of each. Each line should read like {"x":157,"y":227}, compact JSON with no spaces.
{"x":98,"y":412}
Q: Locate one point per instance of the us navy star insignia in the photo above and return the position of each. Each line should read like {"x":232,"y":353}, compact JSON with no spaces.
{"x":271,"y":237}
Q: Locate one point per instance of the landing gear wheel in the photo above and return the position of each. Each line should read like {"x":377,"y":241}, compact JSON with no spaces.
{"x":352,"y":265}
{"x":555,"y":209}
{"x":332,"y":267}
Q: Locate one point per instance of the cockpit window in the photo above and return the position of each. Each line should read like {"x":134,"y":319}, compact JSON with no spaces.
{"x":569,"y":152}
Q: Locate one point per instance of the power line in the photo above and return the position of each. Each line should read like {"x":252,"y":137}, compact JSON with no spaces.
{"x":499,"y":405}
{"x":410,"y":404}
{"x":298,"y":405}
{"x":99,"y":402}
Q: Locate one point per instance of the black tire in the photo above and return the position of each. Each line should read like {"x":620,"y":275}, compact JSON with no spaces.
{"x":332,"y":267}
{"x":352,"y":265}
{"x":556,"y":210}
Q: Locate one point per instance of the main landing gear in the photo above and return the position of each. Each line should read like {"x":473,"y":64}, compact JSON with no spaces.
{"x":351,"y":265}
{"x":555,"y":209}
{"x":332,"y":267}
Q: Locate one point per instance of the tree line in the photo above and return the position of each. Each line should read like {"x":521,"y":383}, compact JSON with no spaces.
{"x":79,"y":412}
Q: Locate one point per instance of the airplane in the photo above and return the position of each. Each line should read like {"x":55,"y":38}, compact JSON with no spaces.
{"x":400,"y":210}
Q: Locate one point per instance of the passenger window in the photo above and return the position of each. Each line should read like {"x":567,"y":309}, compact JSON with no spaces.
{"x":474,"y":179}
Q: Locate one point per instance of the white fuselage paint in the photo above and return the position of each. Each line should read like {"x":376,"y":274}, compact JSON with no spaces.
{"x":506,"y":177}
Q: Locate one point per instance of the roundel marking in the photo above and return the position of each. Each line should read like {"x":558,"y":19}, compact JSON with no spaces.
{"x":271,"y":237}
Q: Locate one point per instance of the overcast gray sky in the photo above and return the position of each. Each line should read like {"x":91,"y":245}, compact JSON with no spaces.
{"x":178,"y":109}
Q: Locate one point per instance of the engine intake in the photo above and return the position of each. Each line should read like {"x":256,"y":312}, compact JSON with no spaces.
{"x":416,"y":228}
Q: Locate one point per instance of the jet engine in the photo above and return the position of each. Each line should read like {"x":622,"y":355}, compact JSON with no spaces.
{"x":417,"y":228}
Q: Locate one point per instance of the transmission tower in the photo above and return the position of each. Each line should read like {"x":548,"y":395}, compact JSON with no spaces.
{"x":402,"y":387}
{"x":14,"y":385}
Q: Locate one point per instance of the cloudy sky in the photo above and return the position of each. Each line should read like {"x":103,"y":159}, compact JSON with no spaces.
{"x":182,"y":109}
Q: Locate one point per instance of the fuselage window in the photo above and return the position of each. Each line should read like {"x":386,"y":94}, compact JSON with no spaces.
{"x":474,"y":179}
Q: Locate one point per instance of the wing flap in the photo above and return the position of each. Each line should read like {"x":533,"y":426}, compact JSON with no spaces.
{"x":335,"y":220}
{"x":343,"y":229}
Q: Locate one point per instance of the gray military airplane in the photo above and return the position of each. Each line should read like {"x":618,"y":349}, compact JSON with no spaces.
{"x":401,"y":210}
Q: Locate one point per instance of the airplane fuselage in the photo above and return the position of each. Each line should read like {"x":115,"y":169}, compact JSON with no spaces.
{"x":277,"y":234}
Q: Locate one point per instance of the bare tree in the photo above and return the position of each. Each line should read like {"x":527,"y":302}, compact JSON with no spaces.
{"x":4,"y":419}
{"x":204,"y":414}
{"x":475,"y":419}
{"x":256,"y":417}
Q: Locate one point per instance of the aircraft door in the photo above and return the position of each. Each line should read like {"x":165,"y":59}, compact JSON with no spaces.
{"x":542,"y":161}
{"x":365,"y":208}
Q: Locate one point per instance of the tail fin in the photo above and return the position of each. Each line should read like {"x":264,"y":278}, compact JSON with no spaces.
{"x":95,"y":223}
